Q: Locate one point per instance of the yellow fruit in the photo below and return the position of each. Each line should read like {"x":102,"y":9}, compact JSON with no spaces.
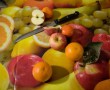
{"x":61,"y":66}
{"x":42,"y":39}
{"x":68,"y":82}
{"x":5,"y":36}
{"x":103,"y":85}
{"x":26,"y":46}
{"x":15,"y":2}
{"x":8,"y":20}
{"x":10,"y":11}
{"x":4,"y":78}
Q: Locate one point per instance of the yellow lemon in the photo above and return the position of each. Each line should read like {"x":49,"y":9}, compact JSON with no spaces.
{"x":4,"y":78}
{"x":42,"y":39}
{"x":26,"y":46}
{"x":61,"y":65}
{"x":10,"y":11}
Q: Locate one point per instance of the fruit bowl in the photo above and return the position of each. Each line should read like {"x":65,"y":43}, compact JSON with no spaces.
{"x":74,"y":55}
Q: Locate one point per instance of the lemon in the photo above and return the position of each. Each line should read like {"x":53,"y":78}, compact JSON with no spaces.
{"x":10,"y":11}
{"x":42,"y":39}
{"x":61,"y":65}
{"x":4,"y":78}
{"x":26,"y":46}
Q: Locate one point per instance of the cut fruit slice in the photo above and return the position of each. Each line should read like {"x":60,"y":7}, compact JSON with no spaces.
{"x":5,"y":37}
{"x":42,"y":39}
{"x":37,"y":17}
{"x":8,"y":20}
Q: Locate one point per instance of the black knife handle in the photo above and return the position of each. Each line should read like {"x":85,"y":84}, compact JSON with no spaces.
{"x":67,"y":18}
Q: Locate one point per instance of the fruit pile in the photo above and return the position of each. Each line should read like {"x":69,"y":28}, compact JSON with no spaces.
{"x":71,"y":56}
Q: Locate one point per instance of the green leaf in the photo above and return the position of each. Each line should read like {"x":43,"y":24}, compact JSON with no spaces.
{"x":92,"y":53}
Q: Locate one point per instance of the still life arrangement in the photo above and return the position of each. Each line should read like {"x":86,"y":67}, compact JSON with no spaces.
{"x":54,"y":45}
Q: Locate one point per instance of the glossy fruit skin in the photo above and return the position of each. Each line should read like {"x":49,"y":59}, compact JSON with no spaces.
{"x":4,"y":78}
{"x":50,"y":30}
{"x":58,"y":41}
{"x":105,"y":39}
{"x":20,"y":70}
{"x":42,"y":71}
{"x":7,"y":10}
{"x":95,"y":73}
{"x":74,"y":51}
{"x":61,"y":65}
{"x":11,"y":66}
{"x":27,"y":46}
{"x":103,"y":85}
{"x":67,"y":30}
{"x":81,"y":35}
{"x":48,"y":12}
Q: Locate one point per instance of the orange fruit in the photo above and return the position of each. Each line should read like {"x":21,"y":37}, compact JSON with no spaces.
{"x":8,"y":20}
{"x":67,"y":30}
{"x":74,"y":51}
{"x":103,"y":85}
{"x":42,"y":71}
{"x":5,"y":37}
{"x":48,"y":12}
{"x":42,"y":39}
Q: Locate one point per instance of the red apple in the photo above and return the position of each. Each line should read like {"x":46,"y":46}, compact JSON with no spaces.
{"x":20,"y":70}
{"x":10,"y":67}
{"x":40,"y":3}
{"x":50,"y":30}
{"x":105,"y":39}
{"x":81,"y":35}
{"x":58,"y":41}
{"x":91,"y":74}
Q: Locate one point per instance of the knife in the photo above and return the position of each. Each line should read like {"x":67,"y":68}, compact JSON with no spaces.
{"x":53,"y":23}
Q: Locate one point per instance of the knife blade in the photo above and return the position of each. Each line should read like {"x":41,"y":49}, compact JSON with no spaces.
{"x":53,"y":23}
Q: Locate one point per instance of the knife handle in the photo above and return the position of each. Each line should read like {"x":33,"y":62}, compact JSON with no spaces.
{"x":67,"y":18}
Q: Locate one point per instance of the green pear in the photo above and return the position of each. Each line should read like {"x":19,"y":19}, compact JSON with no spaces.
{"x":68,"y":82}
{"x":4,"y":78}
{"x":61,"y":12}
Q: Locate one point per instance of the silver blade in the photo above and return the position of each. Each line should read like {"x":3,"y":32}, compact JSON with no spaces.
{"x":29,"y":34}
{"x":40,"y":29}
